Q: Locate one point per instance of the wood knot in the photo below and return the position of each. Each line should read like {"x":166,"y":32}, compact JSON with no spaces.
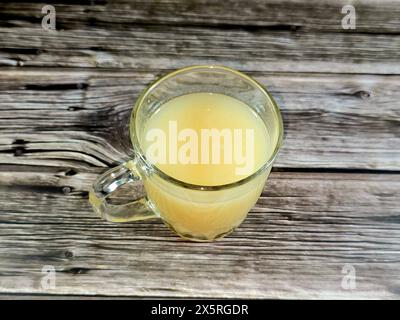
{"x":70,"y":172}
{"x":363,"y":94}
{"x":68,"y":254}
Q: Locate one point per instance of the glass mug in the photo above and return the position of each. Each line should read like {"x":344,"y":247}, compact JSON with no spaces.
{"x":195,"y":212}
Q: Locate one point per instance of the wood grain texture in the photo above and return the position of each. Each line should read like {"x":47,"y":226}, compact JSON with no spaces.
{"x":318,"y":15}
{"x":168,"y":47}
{"x":295,"y":242}
{"x":65,"y":101}
{"x":79,"y":118}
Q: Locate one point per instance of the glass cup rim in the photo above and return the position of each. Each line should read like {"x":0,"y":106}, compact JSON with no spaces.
{"x":163,"y":175}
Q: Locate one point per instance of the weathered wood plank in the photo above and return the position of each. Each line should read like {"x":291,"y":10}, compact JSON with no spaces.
{"x":78,"y":118}
{"x":321,"y":15}
{"x":294,"y":244}
{"x":165,"y":47}
{"x":18,"y":296}
{"x":61,"y":127}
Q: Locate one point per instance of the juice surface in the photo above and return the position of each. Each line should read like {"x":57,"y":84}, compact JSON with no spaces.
{"x":210,"y":111}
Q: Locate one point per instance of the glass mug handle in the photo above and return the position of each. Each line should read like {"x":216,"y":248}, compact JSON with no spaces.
{"x":108,"y":184}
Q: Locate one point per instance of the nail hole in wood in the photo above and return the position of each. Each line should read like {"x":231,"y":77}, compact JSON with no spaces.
{"x":66,"y":190}
{"x":19,"y":151}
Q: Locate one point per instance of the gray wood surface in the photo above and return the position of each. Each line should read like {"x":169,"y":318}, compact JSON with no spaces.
{"x":164,"y":46}
{"x":332,"y":200}
{"x":373,"y":16}
{"x":295,"y":242}
{"x":78,"y":117}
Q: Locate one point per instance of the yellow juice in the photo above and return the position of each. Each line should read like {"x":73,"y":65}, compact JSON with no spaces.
{"x":207,"y":214}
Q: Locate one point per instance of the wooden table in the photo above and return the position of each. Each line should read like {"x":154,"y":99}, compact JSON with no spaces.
{"x":330,"y":210}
